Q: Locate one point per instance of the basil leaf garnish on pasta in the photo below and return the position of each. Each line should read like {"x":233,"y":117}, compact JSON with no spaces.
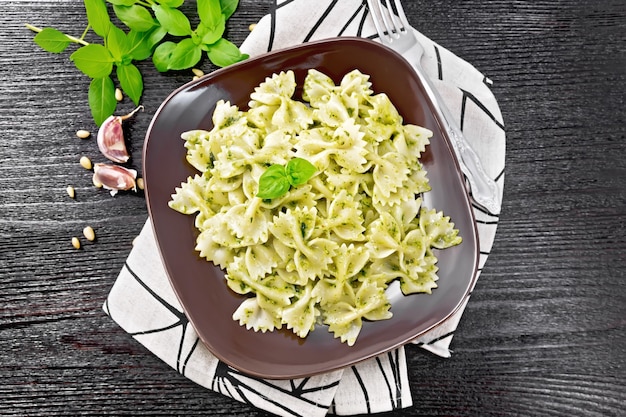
{"x":273,"y":183}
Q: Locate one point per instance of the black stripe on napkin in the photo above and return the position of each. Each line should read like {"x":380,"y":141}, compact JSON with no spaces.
{"x":319,"y":22}
{"x":226,"y":377}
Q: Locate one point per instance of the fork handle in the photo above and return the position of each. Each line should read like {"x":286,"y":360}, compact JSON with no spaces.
{"x":484,"y":189}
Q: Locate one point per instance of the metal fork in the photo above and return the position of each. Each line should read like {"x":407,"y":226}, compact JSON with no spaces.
{"x":395,"y":32}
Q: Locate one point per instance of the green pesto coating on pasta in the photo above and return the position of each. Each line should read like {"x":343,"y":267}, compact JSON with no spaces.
{"x":324,"y":252}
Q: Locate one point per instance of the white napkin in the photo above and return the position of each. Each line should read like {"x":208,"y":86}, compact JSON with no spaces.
{"x":143,"y":303}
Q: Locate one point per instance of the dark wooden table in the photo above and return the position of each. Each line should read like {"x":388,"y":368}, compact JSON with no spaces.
{"x":545,"y":331}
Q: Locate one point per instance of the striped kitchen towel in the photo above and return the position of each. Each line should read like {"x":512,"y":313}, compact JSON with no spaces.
{"x":143,"y":303}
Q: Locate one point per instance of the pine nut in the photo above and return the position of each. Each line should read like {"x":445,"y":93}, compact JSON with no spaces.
{"x":197,"y":72}
{"x":140,"y":183}
{"x":76,"y":242}
{"x":251,"y":27}
{"x":70,"y":191}
{"x":86,"y":162}
{"x":83,"y":134}
{"x":89,"y":233}
{"x":119,"y":96}
{"x":96,"y":183}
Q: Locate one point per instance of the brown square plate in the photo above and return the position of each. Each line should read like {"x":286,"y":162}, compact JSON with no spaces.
{"x":200,"y":286}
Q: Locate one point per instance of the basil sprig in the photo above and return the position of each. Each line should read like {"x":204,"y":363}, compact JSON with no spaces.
{"x":155,"y":28}
{"x":278,"y":179}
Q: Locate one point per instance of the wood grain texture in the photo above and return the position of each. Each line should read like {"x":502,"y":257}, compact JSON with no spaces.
{"x":545,"y":330}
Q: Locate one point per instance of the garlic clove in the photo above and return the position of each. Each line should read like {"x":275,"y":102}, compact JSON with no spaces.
{"x":111,"y":140}
{"x":111,"y":137}
{"x":114,"y":177}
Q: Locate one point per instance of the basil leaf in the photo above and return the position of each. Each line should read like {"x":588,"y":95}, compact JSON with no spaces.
{"x":131,"y":81}
{"x":135,"y":17}
{"x":273,"y":183}
{"x":156,"y":36}
{"x":299,"y":171}
{"x":209,"y":12}
{"x":173,"y":20}
{"x":185,"y":55}
{"x":98,"y":16}
{"x":223,"y":53}
{"x":172,"y":3}
{"x":162,"y":54}
{"x":208,"y":36}
{"x":214,"y":33}
{"x":117,"y":43}
{"x":52,"y":40}
{"x":102,"y":99}
{"x":139,"y":47}
{"x":93,"y":60}
{"x":228,"y":7}
{"x":122,"y":2}
{"x":197,"y":34}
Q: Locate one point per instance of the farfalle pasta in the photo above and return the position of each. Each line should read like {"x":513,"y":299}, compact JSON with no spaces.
{"x":325,"y":252}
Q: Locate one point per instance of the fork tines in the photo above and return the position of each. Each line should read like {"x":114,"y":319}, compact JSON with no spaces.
{"x":389,"y":18}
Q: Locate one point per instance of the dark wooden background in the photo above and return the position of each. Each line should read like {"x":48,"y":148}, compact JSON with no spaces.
{"x":545,"y":331}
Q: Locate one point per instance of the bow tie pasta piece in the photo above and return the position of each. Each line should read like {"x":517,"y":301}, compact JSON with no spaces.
{"x":415,"y":138}
{"x":349,"y":182}
{"x":401,"y":249}
{"x":272,"y":106}
{"x":384,"y":236}
{"x":192,"y":196}
{"x":420,"y":276}
{"x":225,"y":115}
{"x":391,"y":171}
{"x":290,"y":273}
{"x":217,"y":230}
{"x":383,"y":111}
{"x":271,"y":286}
{"x":335,"y":111}
{"x":276,"y":148}
{"x":274,"y":90}
{"x":343,"y":145}
{"x":198,"y":153}
{"x":349,"y":148}
{"x":247,"y":148}
{"x":406,"y":212}
{"x":302,"y":196}
{"x":295,"y":229}
{"x":415,"y":183}
{"x":380,"y":118}
{"x":301,"y":315}
{"x":248,"y":222}
{"x":202,"y":146}
{"x":228,"y":122}
{"x":344,"y":218}
{"x":317,"y":89}
{"x":214,"y":251}
{"x":345,"y":318}
{"x":348,"y":263}
{"x":439,"y":229}
{"x":355,"y":84}
{"x":324,"y":252}
{"x":292,"y":116}
{"x":255,"y":317}
{"x":313,"y":145}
